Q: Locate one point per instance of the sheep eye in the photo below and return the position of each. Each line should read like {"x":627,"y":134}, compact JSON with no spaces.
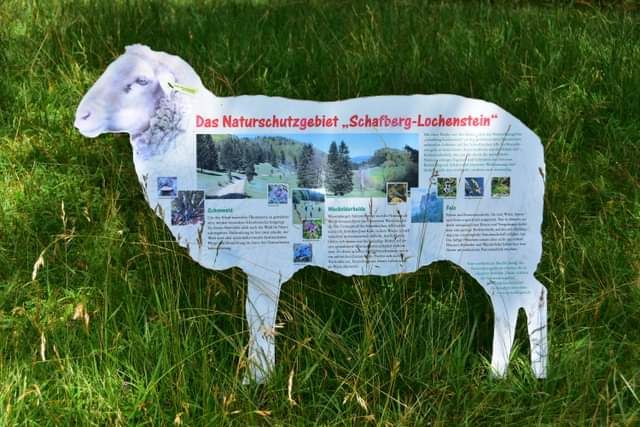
{"x":142,"y":81}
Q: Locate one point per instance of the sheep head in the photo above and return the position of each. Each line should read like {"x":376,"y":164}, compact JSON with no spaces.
{"x":127,"y":94}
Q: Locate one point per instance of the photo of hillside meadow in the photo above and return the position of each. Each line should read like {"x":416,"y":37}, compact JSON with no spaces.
{"x":345,"y":165}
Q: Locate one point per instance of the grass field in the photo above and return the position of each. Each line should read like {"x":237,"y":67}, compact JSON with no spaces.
{"x":259,"y":186}
{"x":212,"y":182}
{"x":105,"y":321}
{"x":373,"y":180}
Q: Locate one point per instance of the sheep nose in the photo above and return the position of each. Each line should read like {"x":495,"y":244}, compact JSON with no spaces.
{"x":81,"y":118}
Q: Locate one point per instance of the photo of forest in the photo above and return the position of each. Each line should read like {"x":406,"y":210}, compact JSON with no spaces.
{"x":346,"y":165}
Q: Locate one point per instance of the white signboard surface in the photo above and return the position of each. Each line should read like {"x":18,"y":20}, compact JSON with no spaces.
{"x":368,"y":186}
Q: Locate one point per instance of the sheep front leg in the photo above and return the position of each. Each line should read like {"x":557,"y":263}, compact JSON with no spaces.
{"x":261,"y":309}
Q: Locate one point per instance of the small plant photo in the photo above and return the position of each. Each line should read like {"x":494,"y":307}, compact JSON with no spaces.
{"x":500,"y":186}
{"x":302,"y":252}
{"x":397,"y":192}
{"x":188,"y":208}
{"x":311,"y":229}
{"x":474,"y":187}
{"x":447,"y":187}
{"x":167,"y":186}
{"x":278,"y":194}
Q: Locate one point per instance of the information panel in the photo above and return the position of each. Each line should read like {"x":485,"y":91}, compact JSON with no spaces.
{"x":369,"y":186}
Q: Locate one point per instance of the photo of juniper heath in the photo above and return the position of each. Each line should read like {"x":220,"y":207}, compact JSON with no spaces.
{"x":167,"y":186}
{"x":397,"y":192}
{"x":500,"y":186}
{"x":447,"y":187}
{"x":188,"y":208}
{"x":278,"y":194}
{"x":311,"y":229}
{"x":302,"y":252}
{"x":425,"y":206}
{"x":474,"y":187}
{"x":307,"y":203}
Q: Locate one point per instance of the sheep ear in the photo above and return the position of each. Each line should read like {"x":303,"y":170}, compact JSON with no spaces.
{"x":166,"y":80}
{"x":138,"y":49}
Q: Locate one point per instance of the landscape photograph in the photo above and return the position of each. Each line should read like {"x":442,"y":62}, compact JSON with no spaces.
{"x":426,"y":206}
{"x":307,"y":204}
{"x":345,"y":165}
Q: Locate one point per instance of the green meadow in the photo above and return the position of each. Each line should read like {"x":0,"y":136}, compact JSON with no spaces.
{"x":212,"y":181}
{"x":259,"y":186}
{"x":104,"y":320}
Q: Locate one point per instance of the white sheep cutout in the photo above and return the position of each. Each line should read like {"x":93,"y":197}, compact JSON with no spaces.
{"x":155,"y":97}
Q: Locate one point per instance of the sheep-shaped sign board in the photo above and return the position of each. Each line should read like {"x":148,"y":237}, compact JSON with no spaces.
{"x":367,"y":186}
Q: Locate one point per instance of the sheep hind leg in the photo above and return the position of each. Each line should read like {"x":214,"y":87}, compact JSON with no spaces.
{"x":536,"y":310}
{"x":261,"y":310}
{"x":506,"y":316}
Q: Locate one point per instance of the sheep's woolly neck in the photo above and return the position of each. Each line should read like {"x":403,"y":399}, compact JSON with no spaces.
{"x":166,"y":123}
